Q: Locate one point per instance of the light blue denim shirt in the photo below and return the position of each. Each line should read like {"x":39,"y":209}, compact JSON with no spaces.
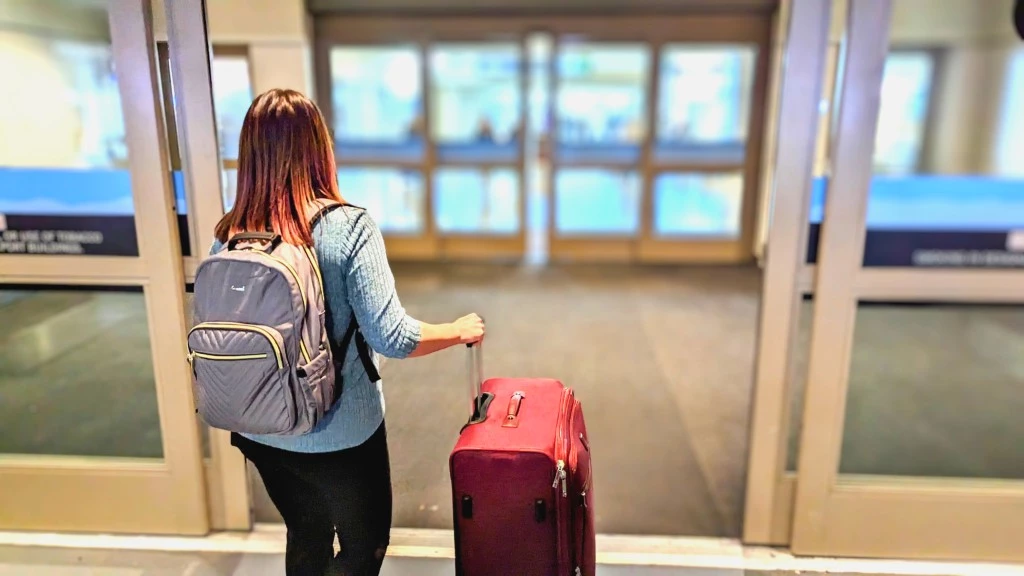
{"x":357,"y":279}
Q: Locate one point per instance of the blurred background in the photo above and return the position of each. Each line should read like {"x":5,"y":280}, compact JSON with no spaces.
{"x":598,"y":181}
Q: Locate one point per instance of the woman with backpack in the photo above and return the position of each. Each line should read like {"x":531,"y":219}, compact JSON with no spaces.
{"x":335,"y":477}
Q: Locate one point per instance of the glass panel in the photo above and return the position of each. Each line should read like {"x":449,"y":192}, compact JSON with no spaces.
{"x":597,"y":202}
{"x":936,"y":391}
{"x":476,"y":100}
{"x":393,"y":197}
{"x":816,"y":211}
{"x":76,"y":374}
{"x":601,"y":100}
{"x":949,"y":188}
{"x":903,"y":112}
{"x":64,"y":182}
{"x":800,"y":359}
{"x":704,"y":102}
{"x":477,"y":201}
{"x":377,"y":101}
{"x":181,"y":211}
{"x":698,"y":204}
{"x":232,"y":94}
{"x":229,"y":182}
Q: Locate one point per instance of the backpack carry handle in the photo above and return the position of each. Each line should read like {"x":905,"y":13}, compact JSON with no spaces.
{"x":270,"y":238}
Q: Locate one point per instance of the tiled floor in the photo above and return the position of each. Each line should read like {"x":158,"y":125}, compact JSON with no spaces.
{"x":662,"y":359}
{"x":31,"y":561}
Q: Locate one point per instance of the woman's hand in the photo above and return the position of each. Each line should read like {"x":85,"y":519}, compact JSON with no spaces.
{"x":435,"y":337}
{"x":470,"y":329}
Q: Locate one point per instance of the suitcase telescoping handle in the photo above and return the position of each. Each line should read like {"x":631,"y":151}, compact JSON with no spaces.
{"x":474,"y":370}
{"x":479,"y":401}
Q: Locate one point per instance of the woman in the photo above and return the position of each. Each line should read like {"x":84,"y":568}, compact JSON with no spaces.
{"x":337,"y":478}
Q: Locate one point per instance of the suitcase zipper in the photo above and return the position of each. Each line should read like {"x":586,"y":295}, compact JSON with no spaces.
{"x":563,"y":513}
{"x":583,"y":520}
{"x":562,"y":442}
{"x":561,"y":476}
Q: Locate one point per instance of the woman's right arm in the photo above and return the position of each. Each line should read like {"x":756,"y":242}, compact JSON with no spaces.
{"x":382,"y":319}
{"x":435,"y":337}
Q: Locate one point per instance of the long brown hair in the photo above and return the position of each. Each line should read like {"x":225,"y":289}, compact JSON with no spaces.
{"x":285,"y":163}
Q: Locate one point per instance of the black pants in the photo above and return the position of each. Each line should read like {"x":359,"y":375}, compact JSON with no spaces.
{"x":346,"y":492}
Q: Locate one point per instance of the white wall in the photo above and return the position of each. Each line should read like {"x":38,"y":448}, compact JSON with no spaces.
{"x":1009,"y":153}
{"x":57,"y":17}
{"x":281,"y":66}
{"x":972,"y":37}
{"x":951,"y":21}
{"x":275,"y":32}
{"x":43,"y":94}
{"x":975,"y":42}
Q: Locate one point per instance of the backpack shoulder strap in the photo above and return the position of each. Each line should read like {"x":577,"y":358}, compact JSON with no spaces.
{"x":365,"y":355}
{"x":353,"y":331}
{"x":323,"y":207}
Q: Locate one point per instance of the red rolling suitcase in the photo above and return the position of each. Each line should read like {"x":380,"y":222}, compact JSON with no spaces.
{"x":522,"y":485}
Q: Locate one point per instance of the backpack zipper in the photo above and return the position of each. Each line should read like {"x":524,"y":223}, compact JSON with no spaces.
{"x":314,"y":264}
{"x":295,"y":275}
{"x":244,"y":327}
{"x":305,"y":305}
{"x":229,"y":356}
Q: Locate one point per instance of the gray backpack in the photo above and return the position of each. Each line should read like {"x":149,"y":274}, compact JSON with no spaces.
{"x":262,"y":361}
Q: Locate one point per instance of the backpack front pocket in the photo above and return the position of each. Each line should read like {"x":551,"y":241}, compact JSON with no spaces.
{"x":241,"y":378}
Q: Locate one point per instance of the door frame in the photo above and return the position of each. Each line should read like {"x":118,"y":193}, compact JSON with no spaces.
{"x":190,"y":54}
{"x":885,"y":516}
{"x":816,"y":510}
{"x":801,"y":45}
{"x":167,"y":495}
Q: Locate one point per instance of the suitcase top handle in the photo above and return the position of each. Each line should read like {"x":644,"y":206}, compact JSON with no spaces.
{"x":515,"y":402}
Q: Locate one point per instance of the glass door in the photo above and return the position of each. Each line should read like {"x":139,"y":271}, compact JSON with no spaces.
{"x":644,"y":145}
{"x":705,"y":152}
{"x":428,"y":119}
{"x":373,"y":93}
{"x":912,"y":439}
{"x":655,"y":145}
{"x":476,"y":118}
{"x":600,"y":109}
{"x":96,"y":429}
